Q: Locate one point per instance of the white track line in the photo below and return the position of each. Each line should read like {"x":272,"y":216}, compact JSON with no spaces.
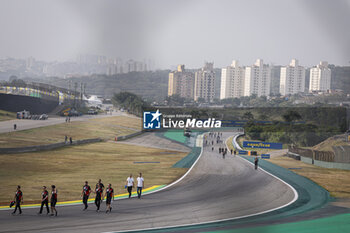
{"x":221,"y":220}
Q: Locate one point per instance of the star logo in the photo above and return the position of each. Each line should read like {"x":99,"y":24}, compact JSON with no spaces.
{"x":156,"y":115}
{"x":151,"y":120}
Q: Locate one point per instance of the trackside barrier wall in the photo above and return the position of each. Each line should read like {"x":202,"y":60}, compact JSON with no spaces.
{"x":46,"y":147}
{"x":327,"y":156}
{"x":343,"y":166}
{"x":121,"y":138}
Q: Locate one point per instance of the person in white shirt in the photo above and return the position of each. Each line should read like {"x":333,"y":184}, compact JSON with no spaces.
{"x":129,"y":184}
{"x":140,"y":185}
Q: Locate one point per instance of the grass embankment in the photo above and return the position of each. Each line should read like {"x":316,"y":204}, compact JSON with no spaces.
{"x":329,"y":143}
{"x":106,"y":128}
{"x":68,"y":168}
{"x":5,"y":116}
{"x":336,"y":181}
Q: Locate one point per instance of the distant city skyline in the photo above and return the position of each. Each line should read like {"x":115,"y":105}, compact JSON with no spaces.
{"x":178,"y":32}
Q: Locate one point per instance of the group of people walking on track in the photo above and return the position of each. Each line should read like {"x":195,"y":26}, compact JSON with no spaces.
{"x":18,"y":200}
{"x":223,"y":151}
{"x":99,"y":197}
{"x":217,"y":137}
{"x":99,"y":191}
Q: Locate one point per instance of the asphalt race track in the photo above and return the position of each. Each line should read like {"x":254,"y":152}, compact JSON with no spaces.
{"x":214,"y":189}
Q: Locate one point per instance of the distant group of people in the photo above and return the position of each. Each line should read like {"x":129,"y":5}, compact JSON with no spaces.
{"x":217,"y":136}
{"x":214,"y":137}
{"x":100,"y":195}
{"x":223,"y":151}
{"x":66,"y":139}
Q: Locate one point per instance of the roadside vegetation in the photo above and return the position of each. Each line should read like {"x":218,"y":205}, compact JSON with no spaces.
{"x":130,"y":102}
{"x":317,"y":125}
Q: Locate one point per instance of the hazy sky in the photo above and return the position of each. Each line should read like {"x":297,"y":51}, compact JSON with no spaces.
{"x":178,"y":31}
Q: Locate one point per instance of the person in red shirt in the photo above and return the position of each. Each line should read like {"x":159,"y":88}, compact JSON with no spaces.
{"x":18,"y":200}
{"x":109,"y":195}
{"x":85,"y":194}
{"x":53,"y":200}
{"x":44,"y":200}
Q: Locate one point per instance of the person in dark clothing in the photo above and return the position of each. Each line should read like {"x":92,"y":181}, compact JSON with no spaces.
{"x":44,"y":200}
{"x":53,"y":200}
{"x":98,"y":197}
{"x":212,"y":149}
{"x":219,"y":150}
{"x":85,"y":194}
{"x":256,"y":161}
{"x":18,"y":200}
{"x":231,"y":151}
{"x":70,"y":140}
{"x":109,"y":195}
{"x":65,"y":139}
{"x":235,"y":152}
{"x":14,"y":127}
{"x":99,"y":183}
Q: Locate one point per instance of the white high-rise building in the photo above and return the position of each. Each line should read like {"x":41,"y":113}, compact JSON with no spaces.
{"x":204,"y":86}
{"x":292,"y":79}
{"x":257,"y":79}
{"x":320,"y":77}
{"x":232,"y":81}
